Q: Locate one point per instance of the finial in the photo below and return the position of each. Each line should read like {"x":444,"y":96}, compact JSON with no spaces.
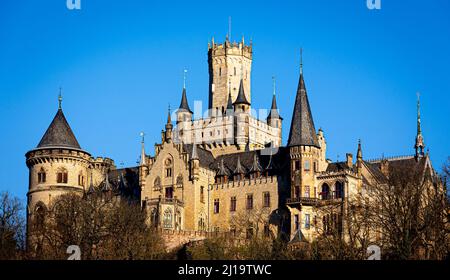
{"x":184,"y":77}
{"x":419,"y":130}
{"x":274,"y":85}
{"x":301,"y":60}
{"x":229,"y":28}
{"x":60,"y":98}
{"x":142,"y":134}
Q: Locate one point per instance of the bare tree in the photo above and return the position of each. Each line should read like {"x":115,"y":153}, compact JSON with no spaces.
{"x":12,"y":227}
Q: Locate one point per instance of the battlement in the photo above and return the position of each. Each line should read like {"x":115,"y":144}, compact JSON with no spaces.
{"x":263,"y":180}
{"x":230,"y":48}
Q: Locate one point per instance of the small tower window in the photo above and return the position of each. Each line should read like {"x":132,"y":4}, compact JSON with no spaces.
{"x":61,"y":176}
{"x":307,"y":166}
{"x":233,"y":204}
{"x":235,"y":71}
{"x":42,"y":176}
{"x":216,"y":206}
{"x":249,"y":201}
{"x":81,"y":180}
{"x":220,"y":71}
{"x":202,"y":194}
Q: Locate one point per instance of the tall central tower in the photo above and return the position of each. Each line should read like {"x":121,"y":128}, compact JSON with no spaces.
{"x":228,"y":64}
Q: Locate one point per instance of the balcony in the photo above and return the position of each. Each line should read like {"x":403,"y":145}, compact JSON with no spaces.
{"x":170,"y":201}
{"x":303,"y":200}
{"x":309,"y":201}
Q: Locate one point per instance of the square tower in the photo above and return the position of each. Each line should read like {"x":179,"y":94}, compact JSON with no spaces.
{"x":228,"y":64}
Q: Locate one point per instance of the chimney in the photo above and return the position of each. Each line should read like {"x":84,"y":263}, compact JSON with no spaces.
{"x":349,"y":160}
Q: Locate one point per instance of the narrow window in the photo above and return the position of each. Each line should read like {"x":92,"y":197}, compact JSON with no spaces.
{"x":249,"y":201}
{"x":216,"y":206}
{"x":307,"y":166}
{"x":233,"y":204}
{"x":61,"y":177}
{"x":266,"y":201}
{"x":202,"y":194}
{"x":307,"y":221}
{"x":307,"y":191}
{"x":42,"y":176}
{"x":296,"y":222}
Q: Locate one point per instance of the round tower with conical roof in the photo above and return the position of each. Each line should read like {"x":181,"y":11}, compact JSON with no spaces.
{"x":58,"y":165}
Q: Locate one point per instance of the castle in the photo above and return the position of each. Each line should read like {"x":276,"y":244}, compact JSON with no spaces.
{"x":226,"y":169}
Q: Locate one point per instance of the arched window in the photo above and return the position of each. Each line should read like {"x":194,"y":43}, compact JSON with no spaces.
{"x":42,"y":176}
{"x":325,"y":191}
{"x":61,"y":176}
{"x":339,"y":190}
{"x":178,"y":221}
{"x":167,"y":222}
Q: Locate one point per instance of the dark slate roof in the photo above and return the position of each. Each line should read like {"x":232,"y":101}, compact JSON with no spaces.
{"x":339,"y":166}
{"x":124,"y":182}
{"x":278,"y":161}
{"x":241,"y":99}
{"x":230,"y":103}
{"x":302,"y":132}
{"x":59,"y":134}
{"x":184,"y":106}
{"x":273,"y":114}
{"x":205,"y":157}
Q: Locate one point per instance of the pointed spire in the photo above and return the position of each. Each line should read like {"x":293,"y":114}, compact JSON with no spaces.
{"x":420,"y":145}
{"x":273,"y":114}
{"x":359,"y":153}
{"x":222,"y":171}
{"x":256,"y":167}
{"x":169,"y":119}
{"x":239,"y":169}
{"x":229,"y":109}
{"x":302,"y":132}
{"x":59,"y":134}
{"x":241,"y":99}
{"x":91,"y":189}
{"x":142,"y":148}
{"x":194,"y":152}
{"x":106,"y":186}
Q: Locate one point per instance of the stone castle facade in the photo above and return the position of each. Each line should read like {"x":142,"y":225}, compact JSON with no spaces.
{"x":225,"y":172}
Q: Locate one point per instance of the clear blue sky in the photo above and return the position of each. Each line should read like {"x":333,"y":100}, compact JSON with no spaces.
{"x":121,"y":62}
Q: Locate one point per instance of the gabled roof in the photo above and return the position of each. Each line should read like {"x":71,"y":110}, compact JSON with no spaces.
{"x":241,"y":99}
{"x":59,"y":134}
{"x":302,"y":132}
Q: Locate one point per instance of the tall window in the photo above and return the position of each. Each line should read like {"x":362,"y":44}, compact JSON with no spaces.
{"x":169,"y":172}
{"x":297,"y":192}
{"x":266,"y":199}
{"x":168,"y":218}
{"x":296,"y":222}
{"x":307,"y":221}
{"x":61,"y":176}
{"x":297,"y":165}
{"x":42,"y":176}
{"x":233,"y":204}
{"x":315,"y":166}
{"x":325,"y":191}
{"x":169,"y":192}
{"x":249,"y":201}
{"x":216,"y":206}
{"x":307,"y":191}
{"x":202,"y":194}
{"x":339,"y":190}
{"x":307,"y":166}
{"x":81,"y":180}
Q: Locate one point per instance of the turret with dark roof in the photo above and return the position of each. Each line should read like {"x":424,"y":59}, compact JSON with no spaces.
{"x":241,"y":99}
{"x":59,"y":134}
{"x":184,"y":106}
{"x":302,"y":132}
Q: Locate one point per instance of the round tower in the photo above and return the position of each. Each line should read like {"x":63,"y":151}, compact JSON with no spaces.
{"x":56,"y":166}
